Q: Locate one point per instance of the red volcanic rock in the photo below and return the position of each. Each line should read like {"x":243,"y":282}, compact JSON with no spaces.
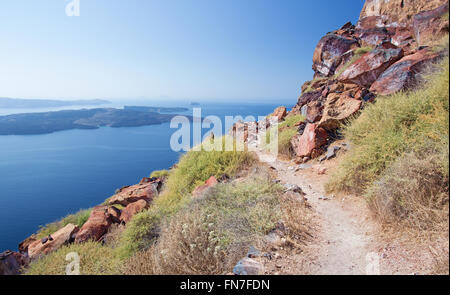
{"x":430,"y":25}
{"x":329,"y":51}
{"x":314,"y":111}
{"x":146,"y":190}
{"x":404,"y":38}
{"x":312,"y":139}
{"x":279,"y":113}
{"x":369,"y":67}
{"x":23,"y":246}
{"x":61,"y":237}
{"x":338,"y":108}
{"x":200,"y":190}
{"x":96,"y":226}
{"x":402,"y":74}
{"x":399,"y":11}
{"x":132,"y":209}
{"x":308,"y":97}
{"x":11,"y":263}
{"x":372,"y":31}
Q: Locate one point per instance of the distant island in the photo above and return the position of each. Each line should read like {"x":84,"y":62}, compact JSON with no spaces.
{"x":48,"y":122}
{"x":20,"y":103}
{"x":194,"y":103}
{"x":156,"y":109}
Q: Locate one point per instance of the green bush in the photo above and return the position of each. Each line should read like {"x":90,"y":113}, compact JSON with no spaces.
{"x":78,"y":219}
{"x":160,"y":174}
{"x":95,"y":259}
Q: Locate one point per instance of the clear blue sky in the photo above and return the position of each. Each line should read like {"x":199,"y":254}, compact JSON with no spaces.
{"x":197,"y":49}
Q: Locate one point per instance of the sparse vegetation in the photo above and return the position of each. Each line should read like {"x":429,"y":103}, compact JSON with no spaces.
{"x":399,"y":158}
{"x":211,"y":234}
{"x":286,"y":131}
{"x":78,"y":219}
{"x":95,"y":259}
{"x":193,"y":169}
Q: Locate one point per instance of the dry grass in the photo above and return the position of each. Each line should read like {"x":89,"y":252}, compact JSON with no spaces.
{"x":413,"y":193}
{"x":212,"y":233}
{"x":95,"y":259}
{"x":297,"y":217}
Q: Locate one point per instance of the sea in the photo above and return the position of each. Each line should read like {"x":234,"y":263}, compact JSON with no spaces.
{"x":46,"y":177}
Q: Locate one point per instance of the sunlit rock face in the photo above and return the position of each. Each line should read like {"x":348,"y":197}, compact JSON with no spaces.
{"x":398,"y":10}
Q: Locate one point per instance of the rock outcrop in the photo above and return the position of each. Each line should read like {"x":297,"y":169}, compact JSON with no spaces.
{"x":44,"y":246}
{"x":11,"y":263}
{"x":403,"y":74}
{"x":132,"y":209}
{"x":309,"y":143}
{"x":370,"y":66}
{"x":146,"y":190}
{"x":96,"y":226}
{"x":398,"y":11}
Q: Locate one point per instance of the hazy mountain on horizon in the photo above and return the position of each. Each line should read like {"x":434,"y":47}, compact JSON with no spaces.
{"x":18,"y":103}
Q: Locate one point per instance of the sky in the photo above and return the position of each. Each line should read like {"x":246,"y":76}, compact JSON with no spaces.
{"x":194,"y":49}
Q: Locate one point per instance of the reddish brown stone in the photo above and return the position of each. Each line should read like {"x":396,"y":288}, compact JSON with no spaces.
{"x":59,"y":238}
{"x":279,"y":113}
{"x":142,"y":191}
{"x":369,"y":67}
{"x":132,"y":209}
{"x":314,"y":111}
{"x":11,"y":263}
{"x":200,"y":190}
{"x":312,"y":138}
{"x":338,"y":108}
{"x":430,"y":26}
{"x":329,"y":51}
{"x":402,"y":74}
{"x":399,"y":11}
{"x":23,"y":246}
{"x":96,"y":226}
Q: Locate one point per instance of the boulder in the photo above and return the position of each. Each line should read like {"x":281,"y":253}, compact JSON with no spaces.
{"x":61,"y":237}
{"x":404,"y":38}
{"x":11,"y":263}
{"x":279,"y":113}
{"x":313,"y":111}
{"x":312,"y":139}
{"x":338,"y":108}
{"x":372,"y":31}
{"x":430,"y":26}
{"x":146,"y":190}
{"x":365,"y":70}
{"x":248,"y":266}
{"x":403,"y":74}
{"x":308,"y":97}
{"x":329,"y":51}
{"x":96,"y":226}
{"x":23,"y":246}
{"x":132,"y":209}
{"x":200,"y":190}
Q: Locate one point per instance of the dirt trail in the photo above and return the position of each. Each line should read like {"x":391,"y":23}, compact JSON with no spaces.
{"x":345,"y":235}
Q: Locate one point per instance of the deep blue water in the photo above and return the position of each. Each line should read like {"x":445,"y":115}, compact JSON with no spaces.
{"x":45,"y":177}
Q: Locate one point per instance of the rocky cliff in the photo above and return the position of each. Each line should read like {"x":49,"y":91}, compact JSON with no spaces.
{"x":384,"y":52}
